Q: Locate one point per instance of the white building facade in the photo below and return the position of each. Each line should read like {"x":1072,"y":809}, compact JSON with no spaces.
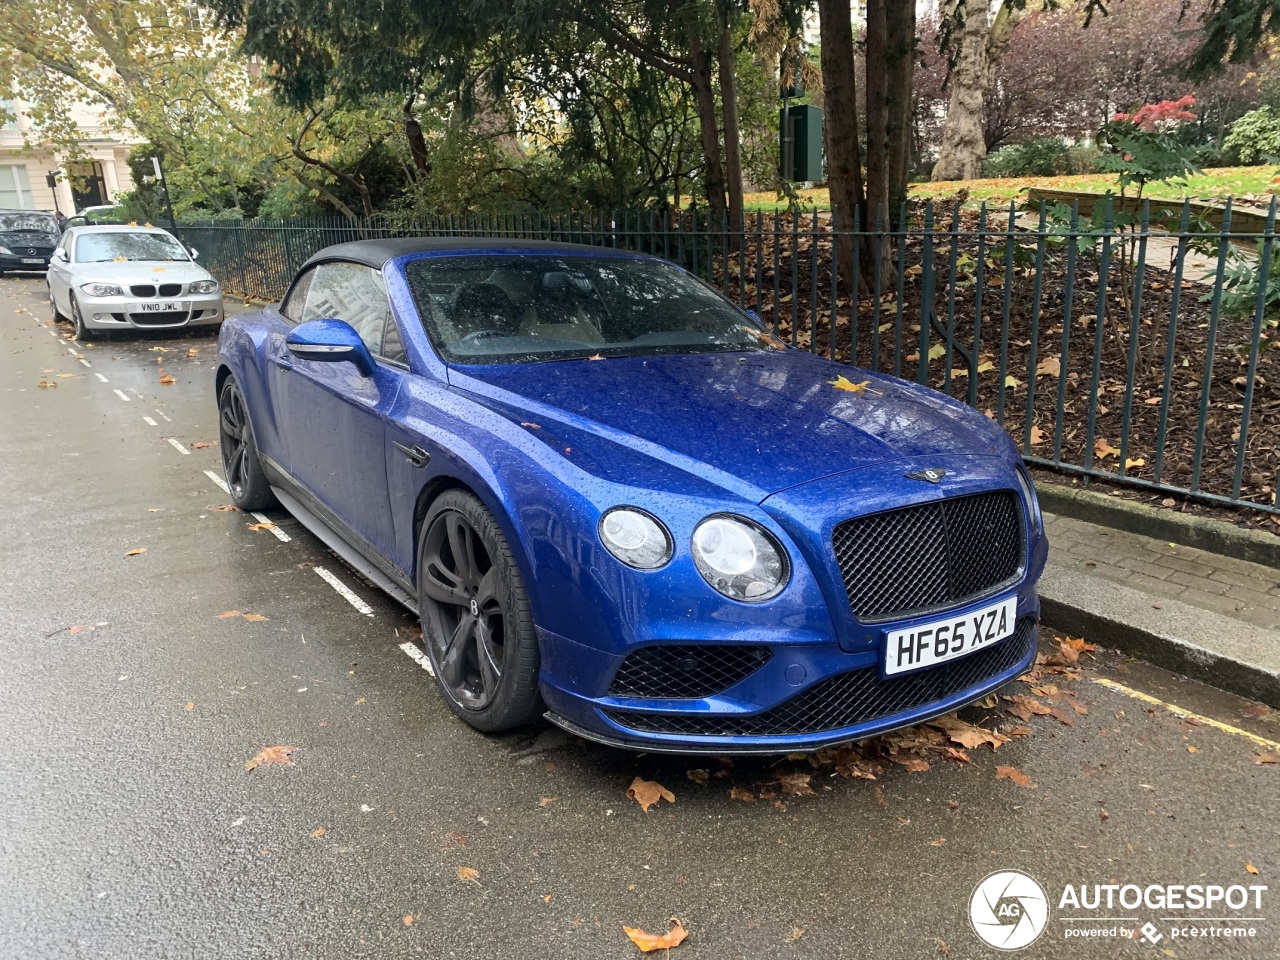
{"x":36,"y":176}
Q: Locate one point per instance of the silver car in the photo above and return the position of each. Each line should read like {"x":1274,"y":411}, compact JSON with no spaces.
{"x":127,"y":277}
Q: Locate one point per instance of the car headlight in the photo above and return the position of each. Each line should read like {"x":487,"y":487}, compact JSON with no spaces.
{"x":739,"y":558}
{"x":6,"y":251}
{"x":1032,"y":501}
{"x":102,"y":289}
{"x":204,"y":286}
{"x":635,"y":538}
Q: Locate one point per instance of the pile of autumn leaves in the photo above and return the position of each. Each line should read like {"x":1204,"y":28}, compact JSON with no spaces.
{"x":915,"y":749}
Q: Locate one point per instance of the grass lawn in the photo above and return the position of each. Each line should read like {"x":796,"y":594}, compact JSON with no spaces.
{"x":1252,"y":184}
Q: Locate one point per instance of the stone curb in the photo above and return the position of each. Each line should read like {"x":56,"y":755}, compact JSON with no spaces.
{"x":1225,"y":653}
{"x":1215,"y":536}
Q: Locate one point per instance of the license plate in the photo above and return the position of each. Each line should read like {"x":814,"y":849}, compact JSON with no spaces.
{"x":32,"y":260}
{"x":159,"y":306}
{"x":949,"y":638}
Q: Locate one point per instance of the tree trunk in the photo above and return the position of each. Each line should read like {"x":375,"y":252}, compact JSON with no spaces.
{"x":877,"y":94}
{"x":963,"y":145}
{"x":900,"y":54}
{"x":844,"y":159}
{"x":732,"y":130}
{"x":705,"y":98}
{"x":417,"y":143}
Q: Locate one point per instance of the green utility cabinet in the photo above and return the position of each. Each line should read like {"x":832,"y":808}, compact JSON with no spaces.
{"x":800,"y":136}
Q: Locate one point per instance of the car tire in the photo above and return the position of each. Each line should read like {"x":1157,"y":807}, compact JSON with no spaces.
{"x":83,"y":333}
{"x":241,"y":466}
{"x":57,"y":314}
{"x":477,"y":624}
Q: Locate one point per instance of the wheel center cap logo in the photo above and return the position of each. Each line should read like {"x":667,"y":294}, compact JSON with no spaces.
{"x":1008,"y":910}
{"x":475,"y":607}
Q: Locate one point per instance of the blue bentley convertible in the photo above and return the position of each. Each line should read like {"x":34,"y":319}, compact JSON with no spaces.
{"x":615,"y":499}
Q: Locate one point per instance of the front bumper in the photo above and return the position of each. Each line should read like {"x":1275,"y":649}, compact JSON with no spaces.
{"x":33,"y":262}
{"x":804,"y":697}
{"x":131,"y":313}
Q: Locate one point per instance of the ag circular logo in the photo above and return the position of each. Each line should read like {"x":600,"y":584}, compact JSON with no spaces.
{"x":1008,"y":910}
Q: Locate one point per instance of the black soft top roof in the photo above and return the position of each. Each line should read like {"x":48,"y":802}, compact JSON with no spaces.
{"x":376,"y":253}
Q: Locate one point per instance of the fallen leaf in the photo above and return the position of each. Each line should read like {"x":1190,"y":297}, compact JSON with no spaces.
{"x":1063,"y":716}
{"x":229,"y":614}
{"x":531,"y":426}
{"x":796,"y":934}
{"x":844,"y":383}
{"x":1192,"y":748}
{"x":698,"y":775}
{"x":81,"y":628}
{"x":1250,"y":868}
{"x":469,"y":875}
{"x":1068,"y":652}
{"x":225,"y":508}
{"x":45,"y":384}
{"x":200,"y":445}
{"x":795,"y":784}
{"x":742,"y":794}
{"x":648,"y":792}
{"x":648,"y":942}
{"x":1014,"y":774}
{"x":1131,"y":462}
{"x":1257,"y":758}
{"x":253,"y":617}
{"x":968,"y":735}
{"x":1102,"y":449}
{"x":319,"y":832}
{"x":547,"y":801}
{"x":913,"y":764}
{"x":1024,"y":707}
{"x":1037,"y":436}
{"x":189,"y":706}
{"x":272,"y":757}
{"x":194,"y":351}
{"x":135,"y":551}
{"x":1012,"y":382}
{"x":260,"y":526}
{"x":408,"y":919}
{"x":937,"y":843}
{"x":1049,"y":366}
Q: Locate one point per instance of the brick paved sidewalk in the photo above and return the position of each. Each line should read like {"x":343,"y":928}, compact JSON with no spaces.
{"x":1244,"y":591}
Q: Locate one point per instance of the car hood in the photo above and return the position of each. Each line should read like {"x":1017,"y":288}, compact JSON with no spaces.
{"x":139,"y":272}
{"x":754,"y":423}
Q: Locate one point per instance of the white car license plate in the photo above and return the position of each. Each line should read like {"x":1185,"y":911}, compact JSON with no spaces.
{"x":949,"y":638}
{"x":32,"y":260}
{"x":159,"y":306}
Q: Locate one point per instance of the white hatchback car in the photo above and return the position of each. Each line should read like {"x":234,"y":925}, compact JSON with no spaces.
{"x":127,"y":277}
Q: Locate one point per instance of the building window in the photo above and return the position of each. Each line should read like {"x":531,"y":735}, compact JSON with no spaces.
{"x":8,"y":115}
{"x":15,"y":189}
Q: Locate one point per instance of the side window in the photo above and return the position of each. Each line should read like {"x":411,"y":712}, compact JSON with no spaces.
{"x":357,"y":294}
{"x":297,"y":298}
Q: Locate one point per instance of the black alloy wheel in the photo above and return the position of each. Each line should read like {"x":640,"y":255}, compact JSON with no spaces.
{"x":476,"y":621}
{"x":240,"y":464}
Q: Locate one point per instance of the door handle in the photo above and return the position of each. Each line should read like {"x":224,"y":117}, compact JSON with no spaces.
{"x":414,"y":454}
{"x":282,"y":362}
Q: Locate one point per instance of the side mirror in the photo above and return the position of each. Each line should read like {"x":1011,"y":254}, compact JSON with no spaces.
{"x":60,"y":255}
{"x":330,"y":341}
{"x":195,"y":254}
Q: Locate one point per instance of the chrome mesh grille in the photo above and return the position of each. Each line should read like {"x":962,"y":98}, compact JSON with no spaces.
{"x":849,"y":698}
{"x":671,"y":671}
{"x":901,"y":562}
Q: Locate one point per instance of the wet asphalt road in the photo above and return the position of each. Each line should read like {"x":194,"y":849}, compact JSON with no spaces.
{"x":130,"y":828}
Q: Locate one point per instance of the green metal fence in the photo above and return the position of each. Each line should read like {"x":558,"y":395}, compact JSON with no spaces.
{"x":1139,"y":347}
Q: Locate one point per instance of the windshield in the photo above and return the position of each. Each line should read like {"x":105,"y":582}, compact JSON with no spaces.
{"x":102,"y":247}
{"x":522,"y":309}
{"x":28,"y":223}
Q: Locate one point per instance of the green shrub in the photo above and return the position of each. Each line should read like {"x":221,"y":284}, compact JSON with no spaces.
{"x":1038,"y":157}
{"x":1254,"y":136}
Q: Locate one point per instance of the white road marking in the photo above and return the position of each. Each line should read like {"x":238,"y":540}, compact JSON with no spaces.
{"x":218,"y":480}
{"x":52,"y":333}
{"x":279,"y":534}
{"x":418,"y":657}
{"x":161,"y":412}
{"x":85,"y":362}
{"x":73,"y":351}
{"x":1187,"y":714}
{"x":346,"y":592}
{"x":102,"y":378}
{"x":122,"y":395}
{"x":150,"y":422}
{"x":179,"y":447}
